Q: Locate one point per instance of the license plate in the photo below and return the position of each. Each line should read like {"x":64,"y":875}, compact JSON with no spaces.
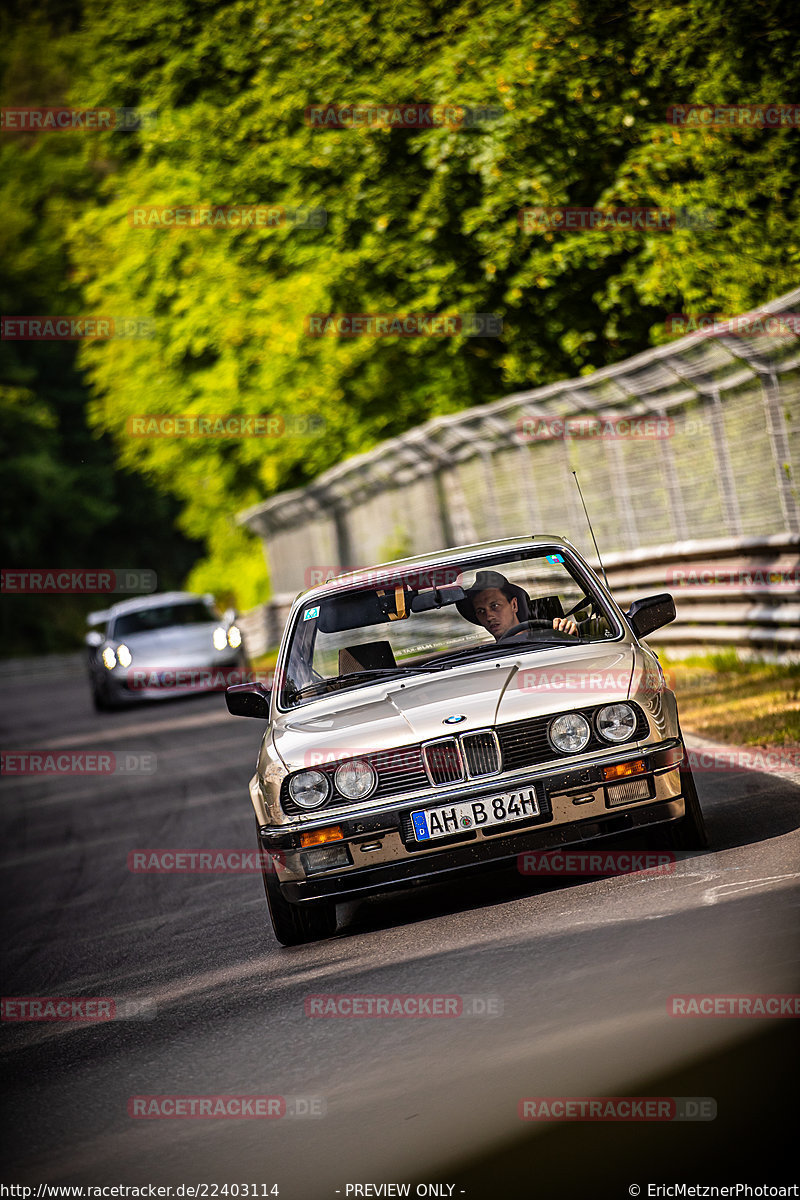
{"x":430,"y":823}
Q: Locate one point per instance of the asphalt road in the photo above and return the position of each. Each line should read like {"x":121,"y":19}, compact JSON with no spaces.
{"x":575,"y":975}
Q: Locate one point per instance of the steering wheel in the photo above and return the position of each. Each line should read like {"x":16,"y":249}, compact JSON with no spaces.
{"x":537,"y":623}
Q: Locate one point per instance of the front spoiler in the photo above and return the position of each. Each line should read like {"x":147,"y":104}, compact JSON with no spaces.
{"x":494,"y":852}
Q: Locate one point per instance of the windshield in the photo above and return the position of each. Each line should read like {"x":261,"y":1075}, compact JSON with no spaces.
{"x":192,"y":612}
{"x":391,"y":624}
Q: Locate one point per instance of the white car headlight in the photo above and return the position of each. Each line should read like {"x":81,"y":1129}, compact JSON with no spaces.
{"x":124,"y":656}
{"x":616,"y":722}
{"x":355,"y":779}
{"x":234,"y":638}
{"x":569,"y":733}
{"x":219,"y":638}
{"x":109,"y":658}
{"x":309,"y":789}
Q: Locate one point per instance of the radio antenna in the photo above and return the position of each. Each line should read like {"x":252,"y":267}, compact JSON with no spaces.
{"x":591,"y":531}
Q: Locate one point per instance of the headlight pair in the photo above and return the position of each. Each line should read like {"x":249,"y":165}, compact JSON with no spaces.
{"x":354,"y":780}
{"x":121,"y":655}
{"x":231,"y":637}
{"x":571,"y":732}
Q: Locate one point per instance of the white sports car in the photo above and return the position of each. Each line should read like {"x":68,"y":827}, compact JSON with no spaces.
{"x":168,"y":644}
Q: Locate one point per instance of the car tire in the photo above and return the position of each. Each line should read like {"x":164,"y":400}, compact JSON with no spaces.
{"x":295,"y":924}
{"x":689,"y":833}
{"x":99,"y":703}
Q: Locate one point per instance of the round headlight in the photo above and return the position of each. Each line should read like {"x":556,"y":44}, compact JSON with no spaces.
{"x":220,"y":639}
{"x":124,"y":656}
{"x":109,"y":658}
{"x":569,"y":733}
{"x":355,"y":779}
{"x":616,"y":722}
{"x":309,"y":789}
{"x":234,"y":637}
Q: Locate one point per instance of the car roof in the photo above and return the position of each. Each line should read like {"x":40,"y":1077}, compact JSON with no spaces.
{"x":434,"y":559}
{"x":139,"y":603}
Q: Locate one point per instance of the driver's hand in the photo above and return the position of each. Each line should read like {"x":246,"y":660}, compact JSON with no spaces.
{"x":566,"y":625}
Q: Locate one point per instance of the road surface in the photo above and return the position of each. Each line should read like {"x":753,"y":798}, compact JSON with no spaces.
{"x":572,"y":981}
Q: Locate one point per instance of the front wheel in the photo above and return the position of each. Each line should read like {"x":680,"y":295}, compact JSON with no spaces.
{"x":296,"y":924}
{"x":689,"y":833}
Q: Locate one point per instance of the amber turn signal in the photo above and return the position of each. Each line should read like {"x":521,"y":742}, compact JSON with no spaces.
{"x":316,"y":837}
{"x":620,"y":770}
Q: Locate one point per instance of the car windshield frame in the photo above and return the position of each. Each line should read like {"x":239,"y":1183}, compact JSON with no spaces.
{"x":288,"y":698}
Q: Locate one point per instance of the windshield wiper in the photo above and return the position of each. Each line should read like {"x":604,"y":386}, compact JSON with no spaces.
{"x":324,"y":685}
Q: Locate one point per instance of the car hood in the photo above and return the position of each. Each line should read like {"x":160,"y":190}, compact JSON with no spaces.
{"x":389,"y":713}
{"x":182,"y":646}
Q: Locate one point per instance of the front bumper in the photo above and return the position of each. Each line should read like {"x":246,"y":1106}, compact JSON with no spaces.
{"x":491,"y":853}
{"x":164,"y":683}
{"x":573,"y":807}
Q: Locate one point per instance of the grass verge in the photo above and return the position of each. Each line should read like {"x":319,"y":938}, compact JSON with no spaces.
{"x":744,"y":703}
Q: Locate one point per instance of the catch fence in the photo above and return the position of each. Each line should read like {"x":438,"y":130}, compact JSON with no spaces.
{"x":689,"y":449}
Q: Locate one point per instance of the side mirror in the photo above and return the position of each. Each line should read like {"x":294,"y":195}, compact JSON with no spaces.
{"x":651,"y":613}
{"x":248,"y":700}
{"x":94,"y":639}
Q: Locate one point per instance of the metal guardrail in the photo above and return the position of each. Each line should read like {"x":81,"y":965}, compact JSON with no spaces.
{"x":740,"y":592}
{"x":54,"y":666}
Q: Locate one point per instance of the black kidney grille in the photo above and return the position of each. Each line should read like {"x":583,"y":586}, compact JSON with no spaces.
{"x":399,"y":770}
{"x":521,"y":743}
{"x":444,"y":762}
{"x":481,"y":752}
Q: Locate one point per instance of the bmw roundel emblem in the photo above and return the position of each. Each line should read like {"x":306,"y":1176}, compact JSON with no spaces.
{"x":453,"y":720}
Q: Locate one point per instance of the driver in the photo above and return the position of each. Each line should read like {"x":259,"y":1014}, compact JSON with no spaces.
{"x":498,"y":605}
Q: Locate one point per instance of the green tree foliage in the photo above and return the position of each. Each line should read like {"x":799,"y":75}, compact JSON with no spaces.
{"x":418,"y":221}
{"x":62,"y":501}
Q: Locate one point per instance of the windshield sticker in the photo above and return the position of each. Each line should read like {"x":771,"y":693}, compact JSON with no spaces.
{"x":553,"y":558}
{"x":310,"y":613}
